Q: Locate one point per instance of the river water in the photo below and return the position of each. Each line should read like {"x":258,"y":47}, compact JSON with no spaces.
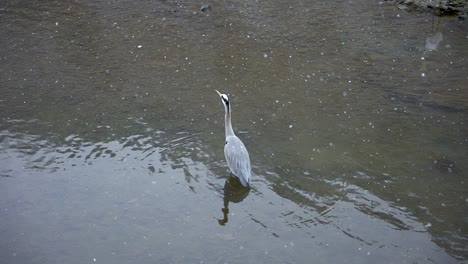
{"x":111,"y":135}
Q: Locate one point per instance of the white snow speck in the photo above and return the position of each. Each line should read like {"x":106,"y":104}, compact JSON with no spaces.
{"x":423,"y":74}
{"x":290,"y":126}
{"x":265,"y":55}
{"x":140,"y":46}
{"x":94,"y":259}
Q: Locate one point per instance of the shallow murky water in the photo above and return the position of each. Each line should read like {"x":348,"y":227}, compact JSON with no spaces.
{"x":111,"y":135}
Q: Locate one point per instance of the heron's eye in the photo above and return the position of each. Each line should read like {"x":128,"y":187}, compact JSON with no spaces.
{"x":225,"y":98}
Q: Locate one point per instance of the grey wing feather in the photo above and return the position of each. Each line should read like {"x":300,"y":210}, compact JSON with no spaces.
{"x":238,"y":159}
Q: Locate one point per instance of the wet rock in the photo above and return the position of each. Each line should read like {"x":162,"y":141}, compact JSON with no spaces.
{"x":438,"y":7}
{"x":205,"y":8}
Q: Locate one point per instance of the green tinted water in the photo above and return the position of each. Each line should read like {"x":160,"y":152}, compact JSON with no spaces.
{"x":112,"y":136}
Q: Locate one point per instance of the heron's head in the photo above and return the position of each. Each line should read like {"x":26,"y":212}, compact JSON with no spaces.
{"x":224,"y":99}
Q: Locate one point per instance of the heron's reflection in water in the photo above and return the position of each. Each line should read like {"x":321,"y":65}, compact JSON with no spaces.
{"x":234,"y":192}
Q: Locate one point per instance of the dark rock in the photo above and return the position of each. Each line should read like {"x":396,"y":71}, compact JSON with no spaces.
{"x":205,"y":8}
{"x":437,"y":7}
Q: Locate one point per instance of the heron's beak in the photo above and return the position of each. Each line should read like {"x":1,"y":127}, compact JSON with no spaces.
{"x":218,"y":92}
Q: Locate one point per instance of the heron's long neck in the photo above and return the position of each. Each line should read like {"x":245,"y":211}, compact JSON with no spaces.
{"x":227,"y":121}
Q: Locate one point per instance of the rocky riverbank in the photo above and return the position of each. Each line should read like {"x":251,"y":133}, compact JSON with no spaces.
{"x":438,"y":7}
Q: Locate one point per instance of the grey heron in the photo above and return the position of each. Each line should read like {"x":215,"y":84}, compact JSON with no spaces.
{"x":236,"y":154}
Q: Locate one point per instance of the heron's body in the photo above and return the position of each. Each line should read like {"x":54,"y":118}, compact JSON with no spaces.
{"x":233,"y":149}
{"x":235,"y":152}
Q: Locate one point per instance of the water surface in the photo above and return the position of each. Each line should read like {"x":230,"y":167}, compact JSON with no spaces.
{"x":111,"y":135}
